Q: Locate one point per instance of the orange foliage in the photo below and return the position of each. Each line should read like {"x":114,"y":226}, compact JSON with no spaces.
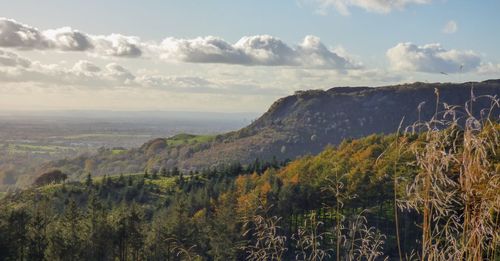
{"x":264,"y":190}
{"x":246,"y":204}
{"x":241,"y":182}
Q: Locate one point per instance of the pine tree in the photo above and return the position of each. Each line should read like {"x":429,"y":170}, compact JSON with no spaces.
{"x":135,"y":232}
{"x":121,"y":180}
{"x":224,"y":234}
{"x":72,"y":232}
{"x":163,"y":171}
{"x":65,"y":235}
{"x":88,"y":180}
{"x":98,"y":231}
{"x":121,"y":234}
{"x":37,"y":236}
{"x":17,"y":229}
{"x":175,"y":172}
{"x":128,"y":236}
{"x":130,"y":181}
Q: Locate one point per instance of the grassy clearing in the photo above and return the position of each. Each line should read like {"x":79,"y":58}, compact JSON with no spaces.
{"x":50,"y":189}
{"x":163,"y":183}
{"x":185,"y":138}
{"x":115,"y":177}
{"x":118,"y":151}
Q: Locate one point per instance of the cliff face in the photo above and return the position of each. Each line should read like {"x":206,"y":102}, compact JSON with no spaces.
{"x":304,"y":123}
{"x":310,"y":120}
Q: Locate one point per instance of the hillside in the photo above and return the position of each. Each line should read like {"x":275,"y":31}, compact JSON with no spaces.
{"x":300,"y":124}
{"x":202,"y":213}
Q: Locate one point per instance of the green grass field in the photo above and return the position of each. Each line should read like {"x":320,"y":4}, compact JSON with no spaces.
{"x":163,"y":183}
{"x":185,"y":138}
{"x":118,"y":151}
{"x":160,"y":181}
{"x":99,"y":179}
{"x":50,"y":189}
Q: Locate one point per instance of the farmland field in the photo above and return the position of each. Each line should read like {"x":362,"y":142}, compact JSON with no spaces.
{"x":27,"y":142}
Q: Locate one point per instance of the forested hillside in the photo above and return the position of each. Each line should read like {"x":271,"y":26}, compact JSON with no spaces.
{"x":365,"y":199}
{"x":297,"y":125}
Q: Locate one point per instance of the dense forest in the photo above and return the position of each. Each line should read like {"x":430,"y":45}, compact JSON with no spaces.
{"x":427,"y":192}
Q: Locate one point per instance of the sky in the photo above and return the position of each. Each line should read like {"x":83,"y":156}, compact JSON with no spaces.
{"x":233,"y":56}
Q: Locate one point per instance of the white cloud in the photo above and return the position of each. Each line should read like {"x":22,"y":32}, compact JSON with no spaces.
{"x":313,"y":53}
{"x":118,"y":72}
{"x":262,"y":50}
{"x":266,"y":50}
{"x":67,"y":39}
{"x":450,"y":27}
{"x":84,"y":66}
{"x":24,"y":37}
{"x":376,"y":6}
{"x":13,"y":60}
{"x":87,"y":75}
{"x":208,"y":49}
{"x":17,"y":35}
{"x":54,"y":77}
{"x":118,"y":45}
{"x":489,"y":69}
{"x":431,"y":58}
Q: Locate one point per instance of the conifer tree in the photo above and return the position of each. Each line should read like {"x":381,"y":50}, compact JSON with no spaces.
{"x":88,"y":180}
{"x":37,"y":236}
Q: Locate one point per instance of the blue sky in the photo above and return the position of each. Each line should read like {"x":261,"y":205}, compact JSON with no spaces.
{"x":366,"y":42}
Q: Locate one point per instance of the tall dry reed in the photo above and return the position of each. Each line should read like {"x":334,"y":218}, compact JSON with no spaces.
{"x":457,"y":189}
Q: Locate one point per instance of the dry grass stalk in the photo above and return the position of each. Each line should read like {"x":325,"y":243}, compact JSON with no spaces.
{"x":354,"y":239}
{"x":265,"y":231}
{"x":362,"y":243}
{"x":337,"y":188}
{"x":457,"y":188}
{"x":309,"y":240}
{"x":180,"y":250}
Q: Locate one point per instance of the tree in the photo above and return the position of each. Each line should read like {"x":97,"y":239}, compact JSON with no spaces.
{"x":17,"y":228}
{"x":4,"y":240}
{"x":88,"y":180}
{"x":121,"y":180}
{"x":157,"y":235}
{"x":175,"y":172}
{"x":37,"y":236}
{"x":65,"y":235}
{"x":128,"y":233}
{"x":55,"y":176}
{"x":99,"y":231}
{"x":135,"y":232}
{"x":163,"y":171}
{"x":224,"y":229}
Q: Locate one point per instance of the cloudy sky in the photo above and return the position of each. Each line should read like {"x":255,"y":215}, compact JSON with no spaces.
{"x":233,"y":56}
